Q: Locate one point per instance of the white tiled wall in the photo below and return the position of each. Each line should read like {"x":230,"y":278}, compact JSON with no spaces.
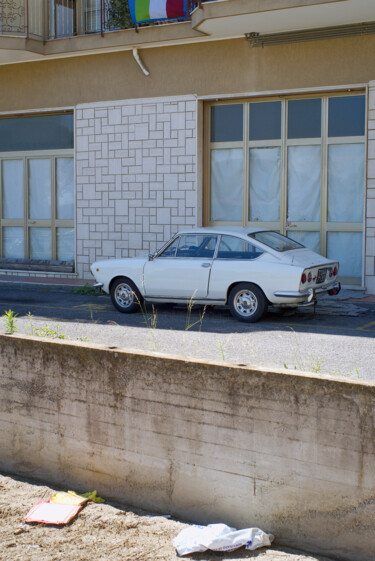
{"x":135,"y":176}
{"x":370,"y":202}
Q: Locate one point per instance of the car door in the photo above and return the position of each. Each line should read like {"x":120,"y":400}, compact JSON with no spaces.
{"x":182,"y":270}
{"x":237,"y":260}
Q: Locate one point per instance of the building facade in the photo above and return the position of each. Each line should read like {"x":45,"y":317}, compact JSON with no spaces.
{"x":243,"y":115}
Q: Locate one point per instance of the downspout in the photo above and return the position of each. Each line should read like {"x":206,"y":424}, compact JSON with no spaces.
{"x":138,"y":60}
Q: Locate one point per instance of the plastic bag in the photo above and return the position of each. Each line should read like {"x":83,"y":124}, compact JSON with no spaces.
{"x":219,"y":537}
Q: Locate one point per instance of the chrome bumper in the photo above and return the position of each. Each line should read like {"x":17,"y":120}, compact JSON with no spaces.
{"x":311,"y":293}
{"x":98,"y":285}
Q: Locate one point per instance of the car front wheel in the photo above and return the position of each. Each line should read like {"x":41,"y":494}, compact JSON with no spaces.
{"x":125,"y":295}
{"x":247,"y":302}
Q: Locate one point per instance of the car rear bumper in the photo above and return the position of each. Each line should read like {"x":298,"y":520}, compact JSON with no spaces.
{"x":311,"y":294}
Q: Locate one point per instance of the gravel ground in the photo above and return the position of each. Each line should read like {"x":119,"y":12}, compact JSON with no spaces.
{"x":101,"y":532}
{"x":334,"y":354}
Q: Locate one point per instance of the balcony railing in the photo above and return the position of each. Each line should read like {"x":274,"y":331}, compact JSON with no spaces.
{"x":54,"y":19}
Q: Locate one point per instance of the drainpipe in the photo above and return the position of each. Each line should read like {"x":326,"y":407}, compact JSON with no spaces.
{"x":139,"y":61}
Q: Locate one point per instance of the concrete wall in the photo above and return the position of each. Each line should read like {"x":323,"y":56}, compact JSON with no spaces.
{"x":290,"y":453}
{"x":136,"y":179}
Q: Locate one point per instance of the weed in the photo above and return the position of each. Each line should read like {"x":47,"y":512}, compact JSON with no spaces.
{"x":301,"y":360}
{"x":317,"y":366}
{"x":9,"y":318}
{"x":188,"y":323}
{"x":151,"y":321}
{"x":92,"y":317}
{"x":48,"y":332}
{"x":221,"y":349}
{"x":84,"y":339}
{"x":86,"y":290}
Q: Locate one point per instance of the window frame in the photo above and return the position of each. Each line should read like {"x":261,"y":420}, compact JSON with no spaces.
{"x":26,"y":222}
{"x":323,"y":227}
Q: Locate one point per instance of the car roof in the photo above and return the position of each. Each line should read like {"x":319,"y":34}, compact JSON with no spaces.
{"x":235,"y":230}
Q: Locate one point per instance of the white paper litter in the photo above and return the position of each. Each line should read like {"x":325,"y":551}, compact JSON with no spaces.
{"x":219,"y":537}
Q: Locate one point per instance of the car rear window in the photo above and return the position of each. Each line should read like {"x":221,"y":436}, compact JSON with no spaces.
{"x":276,"y":241}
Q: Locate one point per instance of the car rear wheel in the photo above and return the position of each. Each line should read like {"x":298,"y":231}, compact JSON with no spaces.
{"x":125,"y":295}
{"x":247,"y":302}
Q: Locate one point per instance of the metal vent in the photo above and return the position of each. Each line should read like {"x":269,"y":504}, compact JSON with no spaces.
{"x":257,"y":40}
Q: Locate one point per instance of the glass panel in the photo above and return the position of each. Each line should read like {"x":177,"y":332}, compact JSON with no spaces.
{"x":65,"y":244}
{"x":40,"y":243}
{"x":40,"y":189}
{"x":226,"y":185}
{"x":346,"y":179}
{"x":92,"y":13}
{"x":44,"y":132}
{"x":14,"y":242}
{"x":346,"y":247}
{"x":304,"y":183}
{"x":304,"y":118}
{"x":226,"y":123}
{"x":171,"y":249}
{"x":64,"y":18}
{"x":275,"y":241}
{"x":265,"y":184}
{"x":265,"y":120}
{"x":65,"y":188}
{"x":197,"y":246}
{"x":311,"y":240}
{"x":235,"y":248}
{"x":346,"y":116}
{"x":13,"y":197}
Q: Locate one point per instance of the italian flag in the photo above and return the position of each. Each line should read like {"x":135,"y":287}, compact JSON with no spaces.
{"x":148,"y":10}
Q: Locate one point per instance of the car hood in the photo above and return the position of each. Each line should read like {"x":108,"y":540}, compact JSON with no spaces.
{"x":305,"y":258}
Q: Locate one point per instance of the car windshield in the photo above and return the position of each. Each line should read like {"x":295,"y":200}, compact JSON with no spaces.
{"x":276,"y":241}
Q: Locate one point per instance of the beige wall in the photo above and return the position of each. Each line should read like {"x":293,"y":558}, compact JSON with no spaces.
{"x":203,"y":69}
{"x":289,"y":453}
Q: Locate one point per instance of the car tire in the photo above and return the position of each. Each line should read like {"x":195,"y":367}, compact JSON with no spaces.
{"x":125,"y":296}
{"x":247,"y":302}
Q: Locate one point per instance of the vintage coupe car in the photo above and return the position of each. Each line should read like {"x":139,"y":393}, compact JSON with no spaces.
{"x":247,"y":269}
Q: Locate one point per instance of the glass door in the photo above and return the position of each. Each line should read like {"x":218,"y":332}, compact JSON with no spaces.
{"x":37,"y":208}
{"x":304,"y":172}
{"x":294,"y":165}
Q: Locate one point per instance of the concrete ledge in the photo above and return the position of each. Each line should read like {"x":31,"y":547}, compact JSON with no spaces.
{"x":291,"y":453}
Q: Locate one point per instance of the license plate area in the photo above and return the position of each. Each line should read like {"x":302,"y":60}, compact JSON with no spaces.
{"x":321,"y":276}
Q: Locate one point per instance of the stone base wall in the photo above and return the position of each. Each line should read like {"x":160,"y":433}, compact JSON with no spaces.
{"x":136,"y":178}
{"x":291,"y":453}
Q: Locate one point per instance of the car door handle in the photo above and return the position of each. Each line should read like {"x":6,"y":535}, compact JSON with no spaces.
{"x":206,"y":265}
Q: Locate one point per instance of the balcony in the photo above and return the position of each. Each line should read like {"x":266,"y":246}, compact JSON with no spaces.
{"x":54,"y":19}
{"x":36,"y":29}
{"x":39,"y":29}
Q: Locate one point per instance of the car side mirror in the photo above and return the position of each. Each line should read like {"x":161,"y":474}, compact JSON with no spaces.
{"x":151,"y":256}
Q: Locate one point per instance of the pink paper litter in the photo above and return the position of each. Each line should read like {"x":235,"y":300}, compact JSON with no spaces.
{"x":52,"y":513}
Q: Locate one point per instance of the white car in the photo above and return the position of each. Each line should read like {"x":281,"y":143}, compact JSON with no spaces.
{"x":247,"y":269}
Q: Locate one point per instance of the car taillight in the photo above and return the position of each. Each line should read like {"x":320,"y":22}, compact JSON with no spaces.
{"x":303,"y":278}
{"x":335,"y":271}
{"x":309,"y":277}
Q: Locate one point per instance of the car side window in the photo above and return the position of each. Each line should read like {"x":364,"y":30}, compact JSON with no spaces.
{"x":170,"y":251}
{"x":234,"y":248}
{"x":196,"y":245}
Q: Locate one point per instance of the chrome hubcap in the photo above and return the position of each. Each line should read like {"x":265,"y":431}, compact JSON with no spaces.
{"x":124,"y":295}
{"x":245,"y":303}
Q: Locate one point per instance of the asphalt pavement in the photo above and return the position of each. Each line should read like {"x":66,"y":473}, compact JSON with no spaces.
{"x":335,"y":339}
